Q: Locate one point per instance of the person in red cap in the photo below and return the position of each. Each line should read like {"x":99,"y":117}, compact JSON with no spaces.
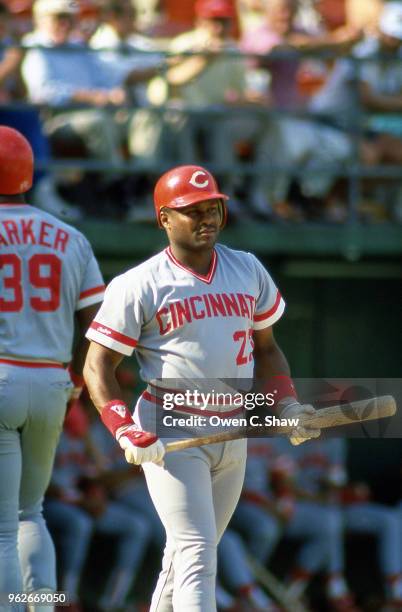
{"x":199,"y":316}
{"x":215,"y":9}
{"x":208,"y":73}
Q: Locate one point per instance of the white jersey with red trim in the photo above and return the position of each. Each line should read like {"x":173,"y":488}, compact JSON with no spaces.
{"x":185,"y":325}
{"x":47,"y":272}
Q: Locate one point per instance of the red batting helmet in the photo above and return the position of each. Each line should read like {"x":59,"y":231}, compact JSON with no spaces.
{"x":16,"y":162}
{"x":186,"y":185}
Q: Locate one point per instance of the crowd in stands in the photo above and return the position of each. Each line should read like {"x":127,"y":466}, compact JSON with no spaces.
{"x":280,"y":98}
{"x":298,"y":508}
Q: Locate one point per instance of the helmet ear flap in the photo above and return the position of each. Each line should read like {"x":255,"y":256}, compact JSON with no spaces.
{"x":16,"y":162}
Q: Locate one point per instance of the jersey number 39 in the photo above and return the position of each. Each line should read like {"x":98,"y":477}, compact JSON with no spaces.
{"x":44,"y":273}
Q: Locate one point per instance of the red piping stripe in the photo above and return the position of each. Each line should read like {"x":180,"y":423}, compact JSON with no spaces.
{"x":269,"y":313}
{"x":32,"y":364}
{"x":113,"y":334}
{"x":92,"y":291}
{"x":207,"y":278}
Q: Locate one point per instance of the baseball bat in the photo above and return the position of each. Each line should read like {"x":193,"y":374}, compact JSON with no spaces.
{"x":334,"y":416}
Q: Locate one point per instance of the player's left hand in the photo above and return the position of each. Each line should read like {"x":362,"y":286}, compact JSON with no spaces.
{"x":300,"y":434}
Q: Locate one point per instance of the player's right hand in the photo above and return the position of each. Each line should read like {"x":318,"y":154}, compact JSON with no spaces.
{"x":141,"y":446}
{"x":300,"y":434}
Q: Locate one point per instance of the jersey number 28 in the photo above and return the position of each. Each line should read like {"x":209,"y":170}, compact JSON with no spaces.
{"x":44,"y":272}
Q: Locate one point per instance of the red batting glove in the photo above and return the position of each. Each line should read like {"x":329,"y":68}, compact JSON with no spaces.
{"x":139,"y":446}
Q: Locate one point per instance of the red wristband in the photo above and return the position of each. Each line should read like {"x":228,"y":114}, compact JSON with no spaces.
{"x":76,"y":379}
{"x":115,"y":414}
{"x":280,"y":387}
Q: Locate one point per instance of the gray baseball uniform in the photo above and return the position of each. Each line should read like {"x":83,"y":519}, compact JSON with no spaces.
{"x":186,"y":326}
{"x":47,"y":272}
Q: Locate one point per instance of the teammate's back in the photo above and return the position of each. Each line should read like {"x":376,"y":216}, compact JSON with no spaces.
{"x":47,"y":272}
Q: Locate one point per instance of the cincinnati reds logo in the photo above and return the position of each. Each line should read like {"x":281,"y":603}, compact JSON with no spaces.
{"x":196,"y":183}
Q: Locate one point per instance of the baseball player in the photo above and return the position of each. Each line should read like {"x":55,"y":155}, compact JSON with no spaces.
{"x":196,"y":311}
{"x":48,"y":274}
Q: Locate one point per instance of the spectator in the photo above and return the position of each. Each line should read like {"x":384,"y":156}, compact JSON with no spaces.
{"x":127,"y":50}
{"x":11,"y":85}
{"x":136,"y":59}
{"x":374,"y":83}
{"x":379,"y":83}
{"x":89,"y":20}
{"x":298,"y":143}
{"x":27,"y":121}
{"x":21,"y":11}
{"x":280,"y":34}
{"x":214,"y":79}
{"x":62,"y":72}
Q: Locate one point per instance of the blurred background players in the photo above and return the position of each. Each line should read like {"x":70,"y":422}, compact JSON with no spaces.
{"x":323,"y":477}
{"x":270,"y":509}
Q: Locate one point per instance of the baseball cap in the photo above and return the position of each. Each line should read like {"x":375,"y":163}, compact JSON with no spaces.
{"x":19,"y":6}
{"x":209,"y":9}
{"x":391,"y":19}
{"x":55,"y":7}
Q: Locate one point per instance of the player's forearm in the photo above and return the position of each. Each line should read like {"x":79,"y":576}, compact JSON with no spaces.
{"x":270,"y":361}
{"x":100,"y":377}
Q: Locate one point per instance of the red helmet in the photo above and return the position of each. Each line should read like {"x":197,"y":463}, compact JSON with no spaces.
{"x":16,"y":162}
{"x":186,"y":185}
